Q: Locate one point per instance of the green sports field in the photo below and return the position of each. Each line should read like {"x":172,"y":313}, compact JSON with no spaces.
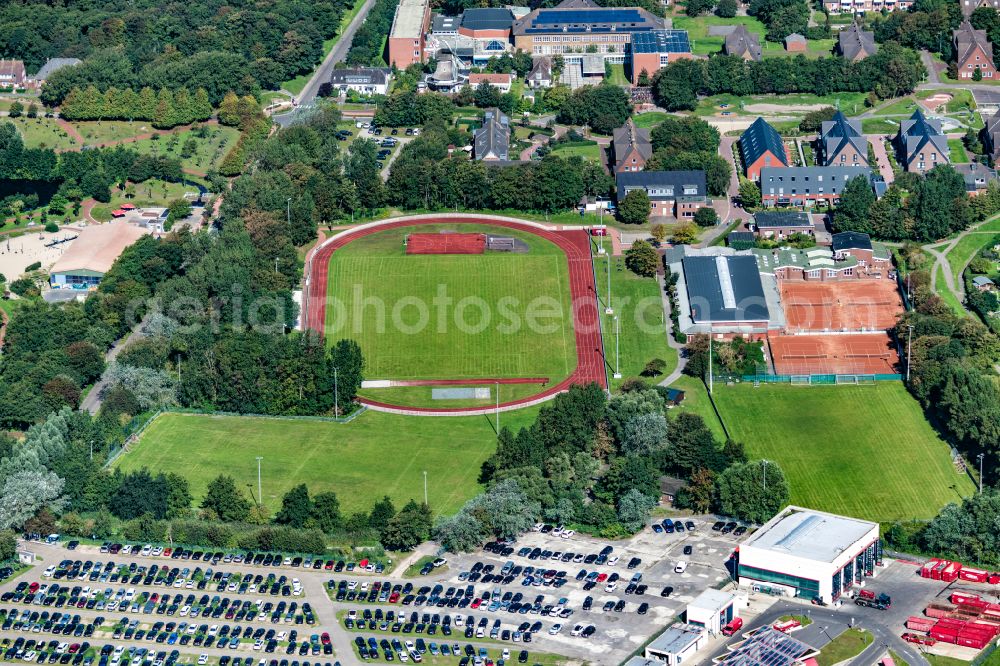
{"x":376,"y":454}
{"x":862,"y":451}
{"x":453,"y":316}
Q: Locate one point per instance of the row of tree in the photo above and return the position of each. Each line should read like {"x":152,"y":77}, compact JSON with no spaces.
{"x":164,"y":109}
{"x":891,"y":72}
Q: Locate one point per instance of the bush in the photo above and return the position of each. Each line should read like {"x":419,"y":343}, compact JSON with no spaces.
{"x":51,"y":228}
{"x":33,"y":267}
{"x":706,"y":217}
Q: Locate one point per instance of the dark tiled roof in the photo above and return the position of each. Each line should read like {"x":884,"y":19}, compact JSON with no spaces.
{"x":967,"y":39}
{"x":724,"y":289}
{"x":673,"y":183}
{"x":760,"y":138}
{"x":629,"y":136}
{"x":782,"y":218}
{"x":360,"y":76}
{"x":741,"y":42}
{"x":808,"y":180}
{"x":915,"y":133}
{"x":851,"y":240}
{"x":492,"y":140}
{"x":855,"y":43}
{"x":836,"y":134}
{"x":487,"y":18}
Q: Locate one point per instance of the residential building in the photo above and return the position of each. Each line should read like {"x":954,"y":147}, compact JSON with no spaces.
{"x":761,"y":146}
{"x":676,"y":645}
{"x":92,"y":254}
{"x":862,"y":7}
{"x":572,"y":29}
{"x":973,"y":51}
{"x":842,"y":143}
{"x":653,"y":50}
{"x":796,"y":43}
{"x":53,"y":65}
{"x":670,"y":486}
{"x":363,"y":80}
{"x":969,"y":6}
{"x":977,"y":176}
{"x":630,"y":147}
{"x":712,"y":610}
{"x":675,"y":194}
{"x":990,"y":136}
{"x":807,"y":186}
{"x":920,"y":144}
{"x":540,"y":75}
{"x":856,"y":44}
{"x":406,"y":37}
{"x":740,"y":42}
{"x":810,"y":554}
{"x":779,"y":225}
{"x":501,"y":82}
{"x":983,"y":283}
{"x":12,"y":74}
{"x":492,"y":140}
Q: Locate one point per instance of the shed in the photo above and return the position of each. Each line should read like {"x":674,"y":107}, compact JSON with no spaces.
{"x":796,"y":43}
{"x":669,"y":487}
{"x":983,"y":283}
{"x":677,"y":644}
{"x":712,"y":609}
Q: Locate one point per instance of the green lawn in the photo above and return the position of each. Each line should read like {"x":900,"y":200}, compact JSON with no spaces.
{"x":790,"y":104}
{"x":376,"y":454}
{"x":43,"y":133}
{"x":504,"y":309}
{"x":209,"y":151}
{"x":105,"y":131}
{"x":588,"y":150}
{"x":957,"y":150}
{"x":902,"y":106}
{"x":702,"y":43}
{"x":618,"y":77}
{"x":879,"y":126}
{"x":966,"y":249}
{"x":639,"y":307}
{"x":149,"y":193}
{"x":696,"y":401}
{"x":650,"y":118}
{"x":849,"y":644}
{"x":947,"y":295}
{"x":840,"y":447}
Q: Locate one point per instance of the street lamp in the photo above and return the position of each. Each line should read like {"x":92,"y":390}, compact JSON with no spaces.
{"x":609,"y":309}
{"x":981,"y":456}
{"x":336,"y":394}
{"x":909,"y":340}
{"x":260,"y":496}
{"x":618,"y":356}
{"x":288,"y":211}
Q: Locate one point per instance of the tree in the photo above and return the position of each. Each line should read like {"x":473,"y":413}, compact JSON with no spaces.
{"x":753,"y":491}
{"x":225,"y":501}
{"x":749,"y":195}
{"x":700,"y":490}
{"x":706,"y":217}
{"x":381,"y":513}
{"x":685,"y":234}
{"x":659,"y":232}
{"x":177,"y":210}
{"x":16,"y":109}
{"x":643,"y":434}
{"x":852,"y":213}
{"x":32,"y":110}
{"x":634,"y":508}
{"x":692,"y":445}
{"x":460,"y":533}
{"x":8,"y":545}
{"x":642,"y":259}
{"x":628,"y":472}
{"x":296,"y":507}
{"x":408,"y":528}
{"x":349,"y":363}
{"x":654,"y":367}
{"x":726,"y":9}
{"x":326,"y":512}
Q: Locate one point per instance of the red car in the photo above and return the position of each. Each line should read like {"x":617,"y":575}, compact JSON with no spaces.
{"x":167,"y":552}
{"x":394,"y":598}
{"x":598,"y":231}
{"x":74,"y":648}
{"x":33,"y":588}
{"x":919,"y":639}
{"x":477,"y":602}
{"x":325,"y":638}
{"x":329,"y":565}
{"x":602,"y":577}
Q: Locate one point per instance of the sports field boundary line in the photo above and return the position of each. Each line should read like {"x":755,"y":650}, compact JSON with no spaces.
{"x":590,"y":366}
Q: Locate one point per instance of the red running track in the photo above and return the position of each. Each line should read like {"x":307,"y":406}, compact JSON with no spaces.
{"x":586,"y":318}
{"x":470,"y":382}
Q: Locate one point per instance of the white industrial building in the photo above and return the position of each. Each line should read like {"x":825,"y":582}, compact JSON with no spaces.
{"x":676,"y":644}
{"x":712,"y":610}
{"x":806,"y":553}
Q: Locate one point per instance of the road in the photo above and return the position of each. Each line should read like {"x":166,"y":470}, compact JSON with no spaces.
{"x":941,"y":248}
{"x":337,"y":54}
{"x":92,"y":402}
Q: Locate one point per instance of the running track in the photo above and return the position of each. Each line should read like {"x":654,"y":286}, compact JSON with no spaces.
{"x":590,"y":366}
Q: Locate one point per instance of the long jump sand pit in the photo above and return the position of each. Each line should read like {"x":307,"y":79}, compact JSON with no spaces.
{"x":863,"y":353}
{"x":858,"y":305}
{"x":19,"y":252}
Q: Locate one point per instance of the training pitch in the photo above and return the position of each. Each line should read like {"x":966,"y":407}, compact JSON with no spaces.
{"x":374,"y":455}
{"x":453,"y":316}
{"x":861,"y":451}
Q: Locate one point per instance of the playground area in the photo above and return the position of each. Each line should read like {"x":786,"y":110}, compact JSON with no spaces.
{"x":857,"y":305}
{"x":868,"y":354}
{"x":17,"y":252}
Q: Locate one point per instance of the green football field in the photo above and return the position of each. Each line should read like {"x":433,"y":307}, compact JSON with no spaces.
{"x":862,"y":451}
{"x":374,"y":455}
{"x":453,"y":316}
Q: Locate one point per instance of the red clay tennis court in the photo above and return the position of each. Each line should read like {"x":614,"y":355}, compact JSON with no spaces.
{"x":445,"y":243}
{"x":840,"y":306}
{"x":867,"y":354}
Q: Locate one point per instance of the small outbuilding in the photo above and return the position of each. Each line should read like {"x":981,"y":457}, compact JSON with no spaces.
{"x":677,"y":644}
{"x":983,"y":283}
{"x":796,"y":43}
{"x":712,"y":610}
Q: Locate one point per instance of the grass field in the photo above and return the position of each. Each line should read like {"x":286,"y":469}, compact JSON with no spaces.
{"x":840,"y":447}
{"x":639,"y":307}
{"x":966,"y":249}
{"x":618,"y":77}
{"x":702,"y":43}
{"x":696,"y":402}
{"x":43,"y":133}
{"x":209,"y":151}
{"x":484,"y":332}
{"x":947,"y":295}
{"x":957,"y":150}
{"x":588,"y":150}
{"x":650,"y":118}
{"x":376,"y":454}
{"x":845,"y":646}
{"x":149,"y":193}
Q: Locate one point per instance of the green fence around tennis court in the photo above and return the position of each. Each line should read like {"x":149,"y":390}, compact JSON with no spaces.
{"x":809,"y":380}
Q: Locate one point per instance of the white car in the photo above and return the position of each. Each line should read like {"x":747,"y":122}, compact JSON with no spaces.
{"x":203,"y":659}
{"x":258,"y":644}
{"x":578,"y":629}
{"x":567,"y":534}
{"x":505,"y":655}
{"x":146,"y":551}
{"x":48,"y":572}
{"x":555,"y":629}
{"x":156,"y":552}
{"x":681,"y":567}
{"x":611,"y":587}
{"x":613,"y":560}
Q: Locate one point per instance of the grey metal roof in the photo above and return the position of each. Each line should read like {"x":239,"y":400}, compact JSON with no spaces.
{"x":442,"y":24}
{"x":487,"y":18}
{"x":587,"y":19}
{"x":724,"y":289}
{"x":675,"y":638}
{"x":982,"y":281}
{"x":977,"y":176}
{"x":760,"y":138}
{"x":54,"y":64}
{"x":851,"y":240}
{"x":808,"y":534}
{"x":799,"y":181}
{"x":492,"y":140}
{"x":740,"y":237}
{"x":782,"y":218}
{"x":665,"y":184}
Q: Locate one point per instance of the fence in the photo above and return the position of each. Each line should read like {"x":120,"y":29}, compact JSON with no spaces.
{"x":808,"y":380}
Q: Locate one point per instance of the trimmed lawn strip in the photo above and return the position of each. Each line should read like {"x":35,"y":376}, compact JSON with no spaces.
{"x":421,"y":396}
{"x":839,"y":447}
{"x":849,"y":644}
{"x":957,"y":150}
{"x":376,"y":454}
